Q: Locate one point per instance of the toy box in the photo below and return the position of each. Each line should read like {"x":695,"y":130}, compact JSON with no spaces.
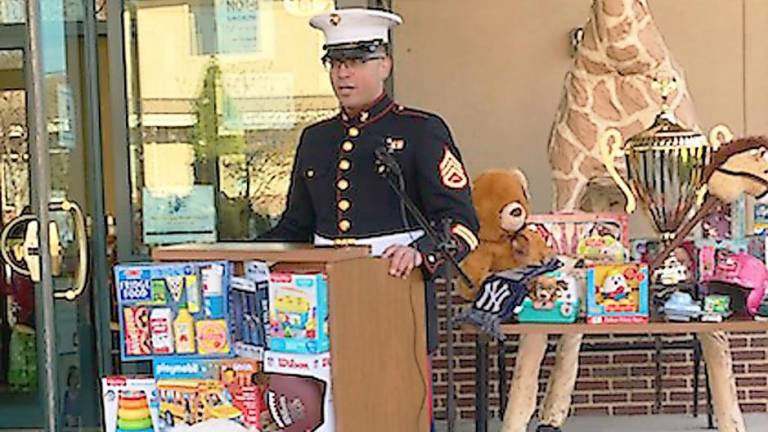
{"x":727,"y":221}
{"x":617,"y":294}
{"x":754,"y":245}
{"x":174,"y":309}
{"x":645,"y":250}
{"x":554,"y":299}
{"x":249,"y":312}
{"x":599,"y":237}
{"x":227,"y":393}
{"x":306,"y":377}
{"x":298,"y":313}
{"x":130,"y":404}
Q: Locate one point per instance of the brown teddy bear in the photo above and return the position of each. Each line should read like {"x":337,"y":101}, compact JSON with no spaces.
{"x":500,"y":198}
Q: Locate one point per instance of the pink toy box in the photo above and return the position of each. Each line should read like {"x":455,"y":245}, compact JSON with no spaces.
{"x":598,"y":237}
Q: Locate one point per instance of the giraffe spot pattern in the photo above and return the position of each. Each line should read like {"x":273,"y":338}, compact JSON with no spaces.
{"x":603,"y":104}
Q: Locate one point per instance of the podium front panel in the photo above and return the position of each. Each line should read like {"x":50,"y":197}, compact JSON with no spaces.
{"x":378,"y":348}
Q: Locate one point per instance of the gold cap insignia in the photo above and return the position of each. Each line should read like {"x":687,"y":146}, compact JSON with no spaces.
{"x":335,"y":19}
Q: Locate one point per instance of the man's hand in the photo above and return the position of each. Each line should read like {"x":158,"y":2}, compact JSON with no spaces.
{"x":402,"y":260}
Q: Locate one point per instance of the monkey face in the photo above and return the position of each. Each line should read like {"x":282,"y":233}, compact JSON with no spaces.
{"x":751,"y":167}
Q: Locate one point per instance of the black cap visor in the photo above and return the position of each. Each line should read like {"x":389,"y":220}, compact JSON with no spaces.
{"x":354,"y":51}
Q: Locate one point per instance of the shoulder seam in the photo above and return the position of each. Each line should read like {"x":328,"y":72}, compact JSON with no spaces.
{"x":412,"y":113}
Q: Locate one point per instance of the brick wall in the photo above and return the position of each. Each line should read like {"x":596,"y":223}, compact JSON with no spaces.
{"x":619,"y":382}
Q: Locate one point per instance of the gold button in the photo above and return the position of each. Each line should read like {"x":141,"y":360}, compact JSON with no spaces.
{"x":353,"y":132}
{"x":342,"y":184}
{"x":344,"y":225}
{"x":344,"y":164}
{"x":347,"y":146}
{"x":310,"y":173}
{"x":344,"y":205}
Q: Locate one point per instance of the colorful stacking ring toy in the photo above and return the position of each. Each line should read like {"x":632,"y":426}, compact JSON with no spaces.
{"x":133,"y":404}
{"x":132,"y":414}
{"x":134,"y":425}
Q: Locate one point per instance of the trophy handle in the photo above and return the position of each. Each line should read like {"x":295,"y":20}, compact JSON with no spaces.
{"x":610,"y":143}
{"x":719,"y":135}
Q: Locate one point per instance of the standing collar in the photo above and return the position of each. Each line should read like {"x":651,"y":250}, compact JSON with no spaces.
{"x":371,"y":113}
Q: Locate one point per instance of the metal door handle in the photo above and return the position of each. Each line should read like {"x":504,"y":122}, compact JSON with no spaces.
{"x":81,"y":276}
{"x":32,"y":257}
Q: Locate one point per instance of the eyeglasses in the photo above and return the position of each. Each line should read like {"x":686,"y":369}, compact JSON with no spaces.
{"x":350,"y":63}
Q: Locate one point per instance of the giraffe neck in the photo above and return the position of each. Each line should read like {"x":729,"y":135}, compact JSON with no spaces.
{"x":626,"y":36}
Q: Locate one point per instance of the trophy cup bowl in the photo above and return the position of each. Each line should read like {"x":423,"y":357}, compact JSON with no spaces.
{"x":664,"y":168}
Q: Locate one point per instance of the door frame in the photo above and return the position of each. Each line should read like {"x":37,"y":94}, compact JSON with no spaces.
{"x":43,"y":409}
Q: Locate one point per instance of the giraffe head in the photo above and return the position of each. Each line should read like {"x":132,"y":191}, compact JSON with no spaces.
{"x":622,"y":37}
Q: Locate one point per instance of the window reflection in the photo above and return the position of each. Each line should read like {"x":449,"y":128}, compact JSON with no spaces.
{"x":216,"y":108}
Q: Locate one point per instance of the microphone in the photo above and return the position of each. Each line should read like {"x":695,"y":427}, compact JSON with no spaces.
{"x":384,"y":158}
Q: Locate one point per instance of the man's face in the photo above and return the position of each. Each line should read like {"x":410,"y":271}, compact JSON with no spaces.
{"x":358,"y":83}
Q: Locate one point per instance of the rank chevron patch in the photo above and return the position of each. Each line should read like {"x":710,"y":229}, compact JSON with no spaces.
{"x":451,"y":171}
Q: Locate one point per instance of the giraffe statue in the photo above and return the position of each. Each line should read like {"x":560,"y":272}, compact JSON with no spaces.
{"x":610,"y":85}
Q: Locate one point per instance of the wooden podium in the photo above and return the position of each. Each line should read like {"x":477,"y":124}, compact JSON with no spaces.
{"x":379,"y":375}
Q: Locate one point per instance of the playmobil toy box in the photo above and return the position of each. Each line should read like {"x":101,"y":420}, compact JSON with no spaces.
{"x":224,"y":394}
{"x":597,"y":237}
{"x":554,"y":298}
{"x":130,"y":404}
{"x":298,"y":313}
{"x":617,"y":293}
{"x":249,"y":310}
{"x":174,"y":309}
{"x":299,"y":377}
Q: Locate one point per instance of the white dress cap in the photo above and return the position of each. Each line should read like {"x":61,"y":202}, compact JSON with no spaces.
{"x":349,"y":26}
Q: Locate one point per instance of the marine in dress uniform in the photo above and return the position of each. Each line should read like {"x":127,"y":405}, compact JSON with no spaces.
{"x":339,"y":193}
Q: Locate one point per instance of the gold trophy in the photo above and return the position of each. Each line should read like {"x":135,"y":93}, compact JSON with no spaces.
{"x":664,"y":165}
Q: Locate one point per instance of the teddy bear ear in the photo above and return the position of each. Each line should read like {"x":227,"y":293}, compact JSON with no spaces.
{"x":523,"y":180}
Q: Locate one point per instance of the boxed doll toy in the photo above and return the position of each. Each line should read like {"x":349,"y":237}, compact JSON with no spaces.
{"x":130,"y":404}
{"x":554,"y":298}
{"x":617,"y":294}
{"x":302,"y":377}
{"x":249,"y":310}
{"x":174,"y":309}
{"x":598,"y":237}
{"x":227,"y":393}
{"x":298,"y":313}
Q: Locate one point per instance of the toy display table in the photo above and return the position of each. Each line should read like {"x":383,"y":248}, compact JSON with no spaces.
{"x":651,"y":328}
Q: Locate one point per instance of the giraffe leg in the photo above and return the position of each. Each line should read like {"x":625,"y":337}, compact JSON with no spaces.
{"x":557,"y":401}
{"x":717,"y":355}
{"x":522,"y":392}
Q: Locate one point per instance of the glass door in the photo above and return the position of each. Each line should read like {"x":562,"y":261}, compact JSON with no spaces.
{"x":18,"y":353}
{"x":54,"y":328}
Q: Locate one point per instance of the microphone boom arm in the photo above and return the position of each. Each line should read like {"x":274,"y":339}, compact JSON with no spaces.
{"x":444,"y":244}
